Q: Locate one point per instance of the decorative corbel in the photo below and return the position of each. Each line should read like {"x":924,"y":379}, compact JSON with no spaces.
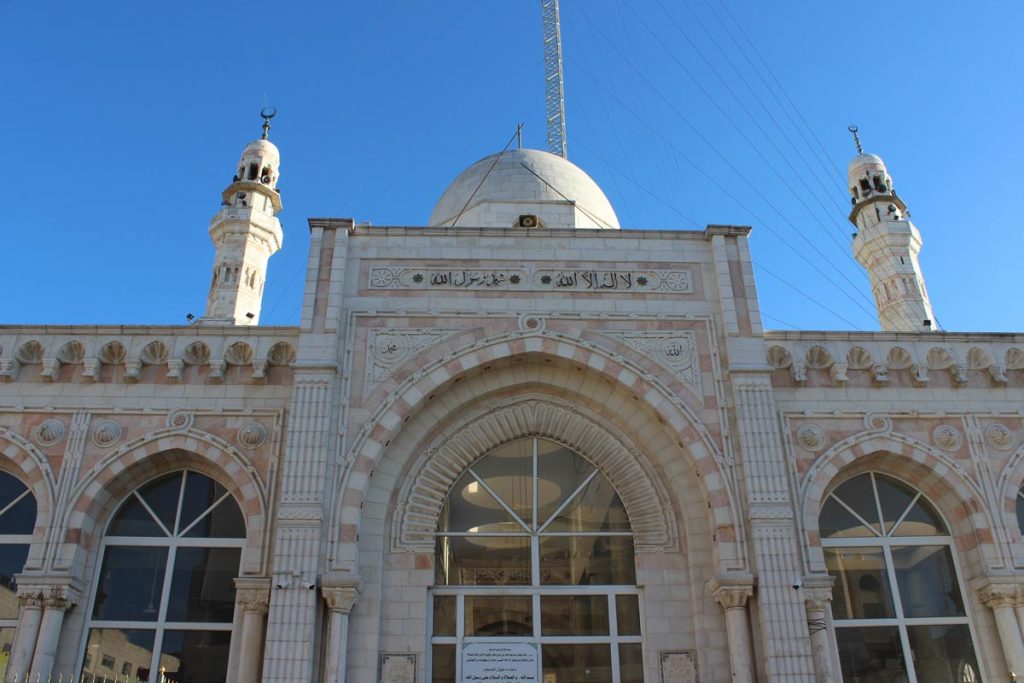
{"x":798,"y":371}
{"x":217,"y":368}
{"x":175,"y":367}
{"x":51,"y":369}
{"x":919,"y":375}
{"x":132,"y":370}
{"x":838,"y":374}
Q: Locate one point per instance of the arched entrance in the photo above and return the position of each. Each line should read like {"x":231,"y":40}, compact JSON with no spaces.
{"x":535,"y":570}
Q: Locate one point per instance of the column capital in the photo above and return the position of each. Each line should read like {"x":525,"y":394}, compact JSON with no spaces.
{"x":252,"y":594}
{"x":340,"y":591}
{"x":999,"y":591}
{"x":732,"y":591}
{"x":49,"y":592}
{"x":817,"y":591}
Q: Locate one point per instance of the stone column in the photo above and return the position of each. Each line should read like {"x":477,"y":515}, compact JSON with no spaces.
{"x":1003,"y":599}
{"x":732,"y":594}
{"x":340,"y":594}
{"x":817,"y":596}
{"x":54,"y":606}
{"x":29,"y":616}
{"x":253,"y":598}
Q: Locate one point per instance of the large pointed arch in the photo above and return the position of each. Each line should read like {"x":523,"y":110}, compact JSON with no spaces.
{"x":646,"y":500}
{"x":96,"y":496}
{"x":944,"y":482}
{"x":23,"y":460}
{"x":648,"y":392}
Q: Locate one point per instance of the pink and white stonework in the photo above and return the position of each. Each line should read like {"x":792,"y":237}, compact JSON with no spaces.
{"x":422,"y":349}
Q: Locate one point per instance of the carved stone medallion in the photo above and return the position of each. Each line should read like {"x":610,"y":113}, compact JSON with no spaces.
{"x":811,"y":437}
{"x":676,"y":350}
{"x":947,"y":438}
{"x":387,"y":349}
{"x":49,"y":432}
{"x":999,"y":436}
{"x":397,"y":668}
{"x":252,"y":435}
{"x":180,"y":419}
{"x":106,"y":434}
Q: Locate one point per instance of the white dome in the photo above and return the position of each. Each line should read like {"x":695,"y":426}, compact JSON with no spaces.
{"x":864,"y":162}
{"x":264,"y":149}
{"x":524,"y":182}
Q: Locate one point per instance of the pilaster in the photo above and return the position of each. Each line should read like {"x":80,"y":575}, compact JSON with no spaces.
{"x":775,"y":549}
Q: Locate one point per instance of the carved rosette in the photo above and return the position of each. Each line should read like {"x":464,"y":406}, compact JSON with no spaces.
{"x":877,"y":422}
{"x":252,"y":435}
{"x":532,"y":323}
{"x":999,"y":436}
{"x":811,"y":437}
{"x":180,"y":419}
{"x":49,"y":432}
{"x":947,"y":438}
{"x":106,"y":434}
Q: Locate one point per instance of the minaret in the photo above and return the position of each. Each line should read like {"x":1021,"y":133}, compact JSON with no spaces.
{"x":246,"y":233}
{"x":886,"y":244}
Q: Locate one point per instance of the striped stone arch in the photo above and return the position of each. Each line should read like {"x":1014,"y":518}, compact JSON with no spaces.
{"x":1010,"y":482}
{"x":946,"y":484}
{"x":624,"y":370}
{"x":646,"y":501}
{"x":102,"y":488}
{"x":23,"y":460}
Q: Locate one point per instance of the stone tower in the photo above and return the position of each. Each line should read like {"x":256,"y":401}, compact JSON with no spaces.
{"x":886,"y":244}
{"x":245,"y":233}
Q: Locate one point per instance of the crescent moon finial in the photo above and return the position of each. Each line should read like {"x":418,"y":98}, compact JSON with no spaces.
{"x":267,"y":113}
{"x":856,"y":138}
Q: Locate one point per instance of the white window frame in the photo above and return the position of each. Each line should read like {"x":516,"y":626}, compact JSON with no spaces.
{"x":886,"y":543}
{"x":535,"y":589}
{"x":172,"y":542}
{"x":16,"y":539}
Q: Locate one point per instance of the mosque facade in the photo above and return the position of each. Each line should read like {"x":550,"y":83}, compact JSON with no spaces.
{"x":516,"y":444}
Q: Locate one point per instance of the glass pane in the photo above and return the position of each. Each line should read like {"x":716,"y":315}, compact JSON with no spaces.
{"x":559,"y":472}
{"x":470,"y":508}
{"x":927,"y":581}
{"x":203,"y":585}
{"x":224,"y":521}
{"x":577,"y":663}
{"x":133,"y":519}
{"x":574,"y":615}
{"x":861,"y":590}
{"x":587,"y":560}
{"x":6,"y":645}
{"x":21,"y":517}
{"x":871,"y":654}
{"x":482,"y":561}
{"x":442,"y":664}
{"x":859,"y":495}
{"x":200,"y":493}
{"x":12,"y":561}
{"x":922,"y":520}
{"x":509,"y":472}
{"x":130,"y":584}
{"x":837,"y":522}
{"x":498,"y":615}
{"x":1020,"y":512}
{"x":10,"y":488}
{"x":596,"y":508}
{"x":194,"y":657}
{"x":110,"y":649}
{"x":627,"y":614}
{"x":631,"y":663}
{"x":162,"y":497}
{"x":894,"y":497}
{"x":943,"y":653}
{"x":444,"y":615}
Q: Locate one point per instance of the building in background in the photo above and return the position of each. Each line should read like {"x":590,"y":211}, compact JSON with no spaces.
{"x":517,"y":437}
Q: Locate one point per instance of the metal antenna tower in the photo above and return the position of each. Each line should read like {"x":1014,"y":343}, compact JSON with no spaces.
{"x":554,"y":84}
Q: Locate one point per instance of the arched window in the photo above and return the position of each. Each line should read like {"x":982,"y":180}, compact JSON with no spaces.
{"x":164,"y":597}
{"x":897,"y":601}
{"x":17,"y":517}
{"x":1020,"y":510}
{"x":534,"y":567}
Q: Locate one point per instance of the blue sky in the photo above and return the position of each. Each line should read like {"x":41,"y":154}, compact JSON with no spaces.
{"x":123,"y":122}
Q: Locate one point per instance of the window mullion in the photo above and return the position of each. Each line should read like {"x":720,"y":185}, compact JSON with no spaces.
{"x":181,"y":498}
{"x":152,"y":514}
{"x":568,"y":500}
{"x":501,"y":502}
{"x":14,"y":502}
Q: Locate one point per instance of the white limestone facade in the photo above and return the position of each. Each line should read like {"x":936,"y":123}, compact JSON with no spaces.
{"x":725,"y":454}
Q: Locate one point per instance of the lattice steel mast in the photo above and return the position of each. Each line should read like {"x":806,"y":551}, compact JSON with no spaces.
{"x":554,"y":84}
